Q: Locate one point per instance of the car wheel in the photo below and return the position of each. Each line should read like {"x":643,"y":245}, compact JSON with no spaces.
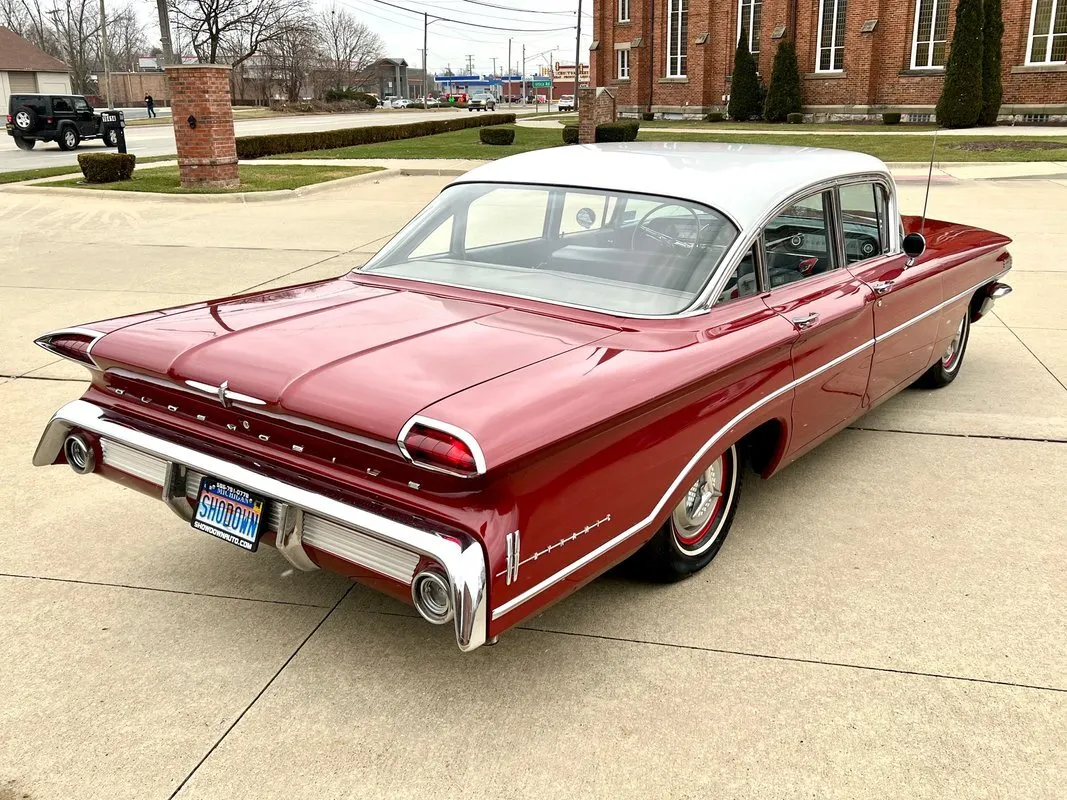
{"x":111,"y":137}
{"x":69,"y":138}
{"x":697,"y":527}
{"x":25,"y":119}
{"x":24,"y":144}
{"x":946,"y":368}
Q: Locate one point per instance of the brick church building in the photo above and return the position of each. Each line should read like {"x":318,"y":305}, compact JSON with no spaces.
{"x":857,"y":57}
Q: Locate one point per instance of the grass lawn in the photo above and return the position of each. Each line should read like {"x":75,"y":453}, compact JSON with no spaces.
{"x":253,"y":179}
{"x":465,"y":145}
{"x":70,"y":169}
{"x":457,"y":144}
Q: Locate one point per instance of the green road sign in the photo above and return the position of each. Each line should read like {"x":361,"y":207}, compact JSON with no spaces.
{"x":541,"y":83}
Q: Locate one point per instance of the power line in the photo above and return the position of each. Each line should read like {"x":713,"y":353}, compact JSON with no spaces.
{"x":512,"y":8}
{"x":474,"y":24}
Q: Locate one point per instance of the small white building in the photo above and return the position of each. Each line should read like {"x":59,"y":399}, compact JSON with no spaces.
{"x":26,"y":69}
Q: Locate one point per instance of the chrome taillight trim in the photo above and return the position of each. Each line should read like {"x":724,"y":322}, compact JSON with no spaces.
{"x":461,"y":559}
{"x":445,"y":427}
{"x":45,"y":342}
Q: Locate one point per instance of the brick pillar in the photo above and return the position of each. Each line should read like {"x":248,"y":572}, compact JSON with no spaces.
{"x":596,"y":104}
{"x":207,"y":154}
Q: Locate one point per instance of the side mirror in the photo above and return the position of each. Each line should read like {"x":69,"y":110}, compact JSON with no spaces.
{"x":914,"y":246}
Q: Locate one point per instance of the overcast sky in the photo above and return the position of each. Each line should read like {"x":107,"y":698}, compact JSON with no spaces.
{"x":450,"y":43}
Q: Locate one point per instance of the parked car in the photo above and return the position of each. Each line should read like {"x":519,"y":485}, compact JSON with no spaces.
{"x":566,"y":102}
{"x":483,"y":101}
{"x":569,"y":358}
{"x":431,"y":102}
{"x":65,"y":119}
{"x":400,"y":102}
{"x":387,"y":101}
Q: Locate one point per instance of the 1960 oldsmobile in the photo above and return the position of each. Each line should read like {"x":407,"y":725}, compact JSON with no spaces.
{"x":568,"y":358}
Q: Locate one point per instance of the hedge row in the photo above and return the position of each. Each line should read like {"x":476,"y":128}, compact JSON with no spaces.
{"x":278,"y":143}
{"x":625,"y":130}
{"x":106,"y":167}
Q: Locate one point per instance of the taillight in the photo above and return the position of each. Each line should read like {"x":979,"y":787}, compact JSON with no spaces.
{"x":9,"y":118}
{"x":442,"y":448}
{"x":73,"y":345}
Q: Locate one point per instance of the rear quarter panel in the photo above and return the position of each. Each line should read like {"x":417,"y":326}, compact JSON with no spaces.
{"x":595,"y":445}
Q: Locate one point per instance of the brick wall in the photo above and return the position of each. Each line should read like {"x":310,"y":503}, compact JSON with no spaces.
{"x":877,"y":74}
{"x":207,"y":154}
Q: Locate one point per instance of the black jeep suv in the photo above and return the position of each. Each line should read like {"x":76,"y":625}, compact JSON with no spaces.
{"x":63,"y":118}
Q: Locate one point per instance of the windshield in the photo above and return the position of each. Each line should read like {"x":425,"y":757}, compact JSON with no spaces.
{"x":611,"y":251}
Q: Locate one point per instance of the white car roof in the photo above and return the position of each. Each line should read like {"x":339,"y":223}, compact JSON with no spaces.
{"x":742,"y":180}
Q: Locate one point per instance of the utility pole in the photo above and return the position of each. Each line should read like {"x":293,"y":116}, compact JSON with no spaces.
{"x":470,"y":63}
{"x":107,"y":63}
{"x":577,"y":54}
{"x":164,"y":32}
{"x":524,"y":74}
{"x":511,"y":87}
{"x":425,"y":27}
{"x":494,"y":66}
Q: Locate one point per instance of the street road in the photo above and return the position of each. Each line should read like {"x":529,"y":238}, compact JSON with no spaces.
{"x":158,"y":140}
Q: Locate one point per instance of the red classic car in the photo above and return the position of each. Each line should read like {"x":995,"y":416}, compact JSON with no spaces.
{"x":570,"y":357}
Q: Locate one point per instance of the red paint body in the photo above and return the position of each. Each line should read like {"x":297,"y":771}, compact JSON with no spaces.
{"x":586,"y":420}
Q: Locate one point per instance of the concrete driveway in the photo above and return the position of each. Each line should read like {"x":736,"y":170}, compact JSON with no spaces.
{"x":886,"y":620}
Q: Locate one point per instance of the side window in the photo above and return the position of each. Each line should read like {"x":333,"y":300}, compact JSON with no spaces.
{"x":506,"y":215}
{"x":742,"y":282}
{"x":61,"y":104}
{"x":81,"y":105}
{"x":585,"y":212}
{"x":798,"y":241}
{"x":438,"y":243}
{"x":864,"y":217}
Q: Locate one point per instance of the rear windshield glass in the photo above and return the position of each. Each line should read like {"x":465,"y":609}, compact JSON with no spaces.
{"x":618,"y":252}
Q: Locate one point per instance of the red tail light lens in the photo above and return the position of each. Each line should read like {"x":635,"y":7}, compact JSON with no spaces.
{"x":74,"y":346}
{"x":435,"y":448}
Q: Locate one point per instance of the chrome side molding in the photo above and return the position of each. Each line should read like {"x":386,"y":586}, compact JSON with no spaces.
{"x":462,"y":560}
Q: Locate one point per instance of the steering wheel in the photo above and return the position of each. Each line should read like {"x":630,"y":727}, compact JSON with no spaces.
{"x":795,"y":239}
{"x":663,"y":238}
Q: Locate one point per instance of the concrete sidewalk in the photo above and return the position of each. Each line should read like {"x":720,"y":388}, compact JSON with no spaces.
{"x":886,"y":618}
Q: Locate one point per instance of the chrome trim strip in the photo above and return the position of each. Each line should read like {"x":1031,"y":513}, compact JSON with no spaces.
{"x":45,"y":340}
{"x":511,"y":570}
{"x":462,"y":560}
{"x":133,"y":462}
{"x":592,"y":555}
{"x":464,"y":436}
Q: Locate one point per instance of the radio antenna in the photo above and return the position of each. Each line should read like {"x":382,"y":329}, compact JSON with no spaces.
{"x":929,"y":178}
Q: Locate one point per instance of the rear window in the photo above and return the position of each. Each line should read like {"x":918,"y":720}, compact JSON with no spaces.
{"x":36,"y":102}
{"x":618,"y":252}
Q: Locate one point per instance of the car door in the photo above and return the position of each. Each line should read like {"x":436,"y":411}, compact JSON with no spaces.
{"x":831,"y":310}
{"x":904,"y":338}
{"x":87,"y":122}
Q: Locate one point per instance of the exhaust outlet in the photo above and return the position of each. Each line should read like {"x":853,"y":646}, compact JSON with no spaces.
{"x":79,"y":454}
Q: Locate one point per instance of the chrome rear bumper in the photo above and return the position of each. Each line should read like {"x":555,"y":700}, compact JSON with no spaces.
{"x":298,"y":515}
{"x":996,"y":291}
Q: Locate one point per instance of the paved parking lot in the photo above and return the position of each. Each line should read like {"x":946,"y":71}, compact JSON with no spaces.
{"x":887,"y":618}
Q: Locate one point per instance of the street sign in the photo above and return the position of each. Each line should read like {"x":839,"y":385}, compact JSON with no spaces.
{"x":541,"y":83}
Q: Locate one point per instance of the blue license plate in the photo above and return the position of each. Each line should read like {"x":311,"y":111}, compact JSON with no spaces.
{"x":229,"y":513}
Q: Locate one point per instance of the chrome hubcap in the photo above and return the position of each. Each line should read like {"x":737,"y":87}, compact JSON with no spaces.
{"x":700,"y":502}
{"x":70,"y":138}
{"x":951,"y":357}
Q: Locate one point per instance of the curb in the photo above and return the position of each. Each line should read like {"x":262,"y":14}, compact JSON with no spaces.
{"x":243,"y":197}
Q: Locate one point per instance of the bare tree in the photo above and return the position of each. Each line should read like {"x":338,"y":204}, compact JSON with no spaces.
{"x":291,"y":59}
{"x":232,"y":31}
{"x":126,"y":37}
{"x":347,"y":46}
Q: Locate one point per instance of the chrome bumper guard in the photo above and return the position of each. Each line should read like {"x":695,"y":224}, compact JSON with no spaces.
{"x":298,"y":515}
{"x":996,"y":291}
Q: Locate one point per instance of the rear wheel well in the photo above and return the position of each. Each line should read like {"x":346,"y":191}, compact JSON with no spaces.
{"x":764,"y":446}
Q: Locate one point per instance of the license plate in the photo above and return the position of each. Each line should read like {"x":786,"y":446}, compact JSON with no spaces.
{"x":229,"y":513}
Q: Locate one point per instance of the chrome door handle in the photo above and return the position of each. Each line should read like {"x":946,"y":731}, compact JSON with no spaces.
{"x":806,"y":322}
{"x":881,"y":287}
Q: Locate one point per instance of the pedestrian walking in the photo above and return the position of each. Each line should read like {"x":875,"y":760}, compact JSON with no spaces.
{"x":150,"y":104}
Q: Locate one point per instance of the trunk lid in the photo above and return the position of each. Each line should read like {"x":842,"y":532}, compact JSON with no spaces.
{"x":360,"y":358}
